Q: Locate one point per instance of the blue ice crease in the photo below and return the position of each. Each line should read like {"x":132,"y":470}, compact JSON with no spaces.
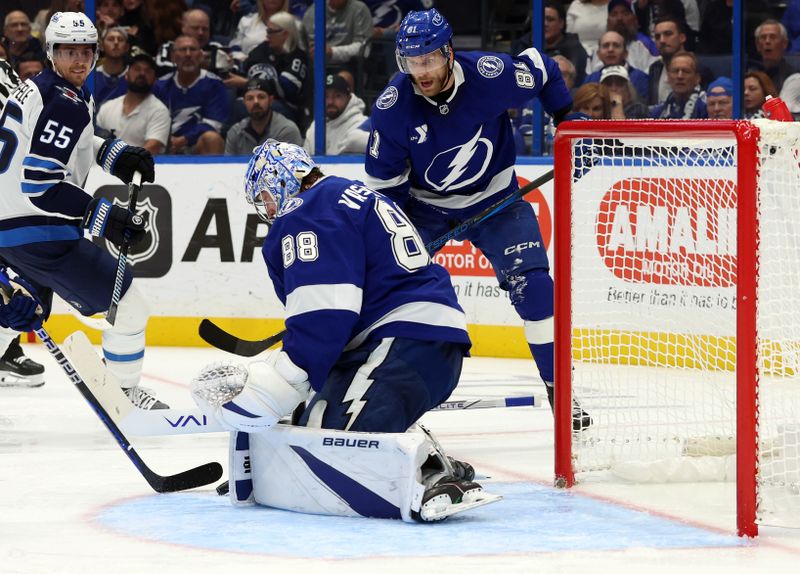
{"x":530,"y":518}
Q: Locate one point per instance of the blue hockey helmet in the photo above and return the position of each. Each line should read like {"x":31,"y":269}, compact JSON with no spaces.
{"x":420,"y":33}
{"x":277,"y":168}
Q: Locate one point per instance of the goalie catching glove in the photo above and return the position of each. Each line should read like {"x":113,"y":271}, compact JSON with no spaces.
{"x":115,"y":223}
{"x":122,"y":160}
{"x":251,"y":398}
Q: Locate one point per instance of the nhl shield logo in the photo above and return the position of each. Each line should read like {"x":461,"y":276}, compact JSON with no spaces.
{"x":149,"y":245}
{"x":152,"y":257}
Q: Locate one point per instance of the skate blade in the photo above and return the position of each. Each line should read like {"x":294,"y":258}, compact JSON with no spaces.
{"x":445,"y":509}
{"x":22,"y":382}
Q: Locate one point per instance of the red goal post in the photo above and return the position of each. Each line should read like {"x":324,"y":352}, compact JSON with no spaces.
{"x":647,"y":272}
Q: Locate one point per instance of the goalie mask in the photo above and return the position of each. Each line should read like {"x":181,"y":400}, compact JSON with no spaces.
{"x":70,"y":28}
{"x":274,"y":175}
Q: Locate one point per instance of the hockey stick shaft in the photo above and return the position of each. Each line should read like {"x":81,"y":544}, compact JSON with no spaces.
{"x":221,"y":339}
{"x":192,"y":478}
{"x":122,"y":261}
{"x":489,"y":212}
{"x":138,"y":422}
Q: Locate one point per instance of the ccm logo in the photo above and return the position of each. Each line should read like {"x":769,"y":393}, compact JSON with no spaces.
{"x":669,"y":231}
{"x":520,"y":247}
{"x":351,"y":442}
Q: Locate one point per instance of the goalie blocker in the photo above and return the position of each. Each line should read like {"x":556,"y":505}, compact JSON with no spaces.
{"x":341,"y":473}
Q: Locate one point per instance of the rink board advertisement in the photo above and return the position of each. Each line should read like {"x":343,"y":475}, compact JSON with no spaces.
{"x":203,"y":257}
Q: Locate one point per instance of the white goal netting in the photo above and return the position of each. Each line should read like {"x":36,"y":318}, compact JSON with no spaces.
{"x":653,"y":309}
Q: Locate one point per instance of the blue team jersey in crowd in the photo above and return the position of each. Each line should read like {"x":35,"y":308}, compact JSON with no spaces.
{"x":388,"y":13}
{"x":350,"y":268}
{"x":201,"y":107}
{"x":461,"y":151}
{"x":47,"y":149}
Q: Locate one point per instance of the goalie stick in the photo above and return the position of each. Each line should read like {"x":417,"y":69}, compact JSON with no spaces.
{"x":139,"y":422}
{"x":221,"y":339}
{"x":192,"y":478}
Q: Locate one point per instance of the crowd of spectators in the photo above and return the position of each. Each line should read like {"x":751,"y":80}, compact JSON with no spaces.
{"x":221,"y":76}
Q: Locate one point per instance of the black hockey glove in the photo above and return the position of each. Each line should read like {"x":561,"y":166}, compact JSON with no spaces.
{"x":115,"y":223}
{"x":121,"y":160}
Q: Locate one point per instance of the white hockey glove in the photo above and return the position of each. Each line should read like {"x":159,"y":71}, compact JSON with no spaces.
{"x":251,"y":398}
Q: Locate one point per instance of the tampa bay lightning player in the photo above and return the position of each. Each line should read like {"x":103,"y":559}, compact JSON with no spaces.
{"x":372,"y":325}
{"x":442,"y":147}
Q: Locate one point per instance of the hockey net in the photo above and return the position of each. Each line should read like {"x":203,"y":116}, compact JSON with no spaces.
{"x":677,"y":275}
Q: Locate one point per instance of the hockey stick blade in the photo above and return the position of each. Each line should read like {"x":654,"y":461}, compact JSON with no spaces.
{"x":221,"y":339}
{"x":192,"y":478}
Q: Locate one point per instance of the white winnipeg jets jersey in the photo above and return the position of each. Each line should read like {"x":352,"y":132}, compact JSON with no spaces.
{"x":8,"y":81}
{"x":48,"y":147}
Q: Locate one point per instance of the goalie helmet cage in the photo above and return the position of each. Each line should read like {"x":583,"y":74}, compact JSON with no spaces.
{"x":677,"y":306}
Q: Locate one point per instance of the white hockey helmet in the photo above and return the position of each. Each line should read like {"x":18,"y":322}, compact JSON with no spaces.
{"x":70,"y":28}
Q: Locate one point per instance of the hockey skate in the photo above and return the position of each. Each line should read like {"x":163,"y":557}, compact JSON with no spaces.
{"x":17,"y":370}
{"x":450,"y":496}
{"x":580,"y":418}
{"x":141,"y":398}
{"x":449,"y":488}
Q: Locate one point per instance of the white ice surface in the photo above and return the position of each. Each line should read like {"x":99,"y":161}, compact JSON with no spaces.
{"x":70,"y":500}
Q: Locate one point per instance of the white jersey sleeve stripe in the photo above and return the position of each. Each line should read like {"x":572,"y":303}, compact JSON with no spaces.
{"x":309,"y":298}
{"x":379,"y":184}
{"x":534,"y":56}
{"x":423,"y":312}
{"x":217,"y":125}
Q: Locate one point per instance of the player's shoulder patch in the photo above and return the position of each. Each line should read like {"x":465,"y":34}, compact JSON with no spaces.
{"x":69,"y":94}
{"x":388,"y":98}
{"x":490,"y":66}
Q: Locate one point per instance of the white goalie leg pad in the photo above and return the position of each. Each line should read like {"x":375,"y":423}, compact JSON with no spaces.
{"x":123,"y":344}
{"x":240,"y":482}
{"x":338,"y":473}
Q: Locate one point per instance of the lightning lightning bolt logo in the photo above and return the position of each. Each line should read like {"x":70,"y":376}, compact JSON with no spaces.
{"x":461,"y":160}
{"x":355,"y":393}
{"x":460,"y":163}
{"x":183,"y":116}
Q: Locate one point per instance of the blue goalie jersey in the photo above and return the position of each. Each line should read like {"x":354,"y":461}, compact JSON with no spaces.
{"x":458,"y":155}
{"x":350,"y":268}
